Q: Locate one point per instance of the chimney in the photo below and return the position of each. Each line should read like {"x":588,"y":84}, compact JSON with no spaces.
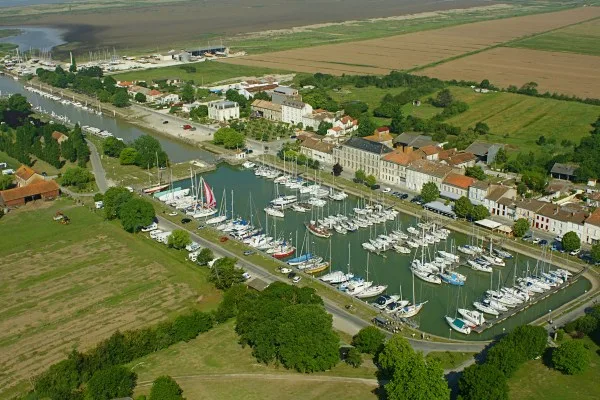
{"x":408,"y":149}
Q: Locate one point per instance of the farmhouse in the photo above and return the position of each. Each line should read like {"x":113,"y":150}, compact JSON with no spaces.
{"x":223,"y":110}
{"x":266,"y":109}
{"x":25,"y":176}
{"x":59,"y":137}
{"x":485,"y":152}
{"x":39,"y":189}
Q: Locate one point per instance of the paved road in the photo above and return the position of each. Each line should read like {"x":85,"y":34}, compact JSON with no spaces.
{"x":99,"y":172}
{"x":573,"y":314}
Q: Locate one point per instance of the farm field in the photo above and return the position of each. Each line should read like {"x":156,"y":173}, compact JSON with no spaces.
{"x":415,"y":50}
{"x":205,"y":73}
{"x":535,"y":381}
{"x":70,"y":286}
{"x":519,"y":120}
{"x":567,"y":73}
{"x":581,"y":38}
{"x":215,"y":366}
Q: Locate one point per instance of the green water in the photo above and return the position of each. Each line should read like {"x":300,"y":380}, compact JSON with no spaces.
{"x":393,"y":269}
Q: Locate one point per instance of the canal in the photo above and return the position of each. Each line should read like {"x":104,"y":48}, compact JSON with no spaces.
{"x":177,"y":151}
{"x":393,"y":269}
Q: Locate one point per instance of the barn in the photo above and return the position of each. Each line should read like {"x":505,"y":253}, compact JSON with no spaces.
{"x":41,"y":189}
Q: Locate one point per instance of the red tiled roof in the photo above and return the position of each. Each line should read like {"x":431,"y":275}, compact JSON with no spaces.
{"x":383,"y":129}
{"x":401,"y":158}
{"x":461,"y":158}
{"x":379,"y":137}
{"x":33,"y":189}
{"x":24,"y":172}
{"x":594,"y":218}
{"x":56,"y":135}
{"x":431,"y":168}
{"x":154,"y":92}
{"x":460,"y":181}
{"x":430,"y":149}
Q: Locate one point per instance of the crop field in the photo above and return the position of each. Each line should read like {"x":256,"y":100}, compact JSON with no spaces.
{"x":215,"y":366}
{"x":70,"y":286}
{"x":415,"y":50}
{"x":205,"y":73}
{"x":567,"y":73}
{"x":581,"y":38}
{"x":520,"y":120}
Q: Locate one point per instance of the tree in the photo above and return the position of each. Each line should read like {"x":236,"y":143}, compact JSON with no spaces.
{"x":475,"y":172}
{"x":165,"y":388}
{"x":114,"y":199}
{"x":337,"y":169}
{"x":6,"y":182}
{"x":535,"y":181}
{"x":355,"y":108}
{"x":410,"y":375}
{"x":529,"y":340}
{"x":483,"y":381}
{"x":140,"y":97}
{"x":205,"y":256}
{"x":397,"y":124}
{"x":506,"y":357}
{"x":444,"y":98}
{"x":570,"y":241}
{"x":354,"y":358}
{"x":135,"y":214}
{"x":187,"y":93}
{"x":571,"y":357}
{"x":120,"y":99}
{"x":128,"y":156}
{"x":98,"y":197}
{"x":110,"y":383}
{"x":501,"y":156}
{"x":149,"y":152}
{"x":179,"y":239}
{"x":366,"y":126}
{"x":360,"y":175}
{"x":463,"y":207}
{"x":224,"y":273}
{"x":370,"y":181}
{"x":369,"y":340}
{"x":429,"y":192}
{"x":482,"y":128}
{"x":520,"y":227}
{"x":112,"y":146}
{"x":229,"y":138}
{"x":73,"y":66}
{"x":76,"y":176}
{"x":595,"y":253}
{"x":323,"y":127}
{"x":479,"y":212}
{"x":232,"y":301}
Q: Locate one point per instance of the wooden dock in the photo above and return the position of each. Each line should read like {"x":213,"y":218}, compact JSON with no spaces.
{"x":539,"y":297}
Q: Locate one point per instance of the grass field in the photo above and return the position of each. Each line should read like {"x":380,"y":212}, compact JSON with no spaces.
{"x":215,"y":366}
{"x":535,"y":381}
{"x":520,"y":120}
{"x":206,"y":73}
{"x":581,"y":38}
{"x":70,"y":286}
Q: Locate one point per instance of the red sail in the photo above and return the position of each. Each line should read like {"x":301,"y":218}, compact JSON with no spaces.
{"x":209,"y":196}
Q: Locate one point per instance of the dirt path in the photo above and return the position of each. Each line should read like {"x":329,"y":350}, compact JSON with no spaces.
{"x":275,"y":377}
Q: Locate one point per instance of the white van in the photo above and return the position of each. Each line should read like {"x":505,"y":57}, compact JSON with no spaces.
{"x":99,"y":205}
{"x":155,"y":233}
{"x":152,"y":227}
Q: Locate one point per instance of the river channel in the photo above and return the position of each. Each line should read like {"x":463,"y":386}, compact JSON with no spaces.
{"x":177,"y":151}
{"x":393,"y":269}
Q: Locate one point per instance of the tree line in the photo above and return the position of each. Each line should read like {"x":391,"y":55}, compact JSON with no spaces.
{"x":145,"y":151}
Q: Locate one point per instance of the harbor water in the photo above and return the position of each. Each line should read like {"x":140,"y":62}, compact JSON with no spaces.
{"x":251,"y":194}
{"x":35,"y":38}
{"x":177,"y":151}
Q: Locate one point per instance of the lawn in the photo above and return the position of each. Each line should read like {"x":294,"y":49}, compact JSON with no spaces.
{"x":520,"y":120}
{"x":206,"y":73}
{"x":450,"y":360}
{"x":70,"y":286}
{"x":581,"y":38}
{"x":534,"y":380}
{"x":215,"y":366}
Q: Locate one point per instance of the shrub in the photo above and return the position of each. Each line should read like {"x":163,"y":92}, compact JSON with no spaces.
{"x":571,"y":357}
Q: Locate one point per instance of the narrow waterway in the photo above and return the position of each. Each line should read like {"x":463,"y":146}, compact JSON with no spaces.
{"x":393,"y":269}
{"x":177,"y":151}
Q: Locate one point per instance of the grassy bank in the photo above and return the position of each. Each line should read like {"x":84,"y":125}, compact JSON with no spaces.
{"x":203,"y":73}
{"x":67,"y":286}
{"x":215,"y":366}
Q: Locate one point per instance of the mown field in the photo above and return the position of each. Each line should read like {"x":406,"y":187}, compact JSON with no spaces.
{"x":534,"y":380}
{"x":215,"y":366}
{"x":70,"y":286}
{"x":205,"y":73}
{"x":520,"y":120}
{"x":581,"y":38}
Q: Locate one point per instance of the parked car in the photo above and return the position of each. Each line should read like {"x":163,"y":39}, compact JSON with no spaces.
{"x":543,"y":242}
{"x":285,"y":270}
{"x":248,"y":252}
{"x":293,"y":137}
{"x":165,"y":122}
{"x":403,"y":196}
{"x":296,"y":279}
{"x":356,"y":180}
{"x":575,"y":252}
{"x":417,"y":200}
{"x":246,"y":275}
{"x":375,"y":187}
{"x":536,"y":240}
{"x":186,"y":220}
{"x":386,"y":190}
{"x":292,"y":275}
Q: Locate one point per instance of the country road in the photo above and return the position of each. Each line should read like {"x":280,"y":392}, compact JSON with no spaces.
{"x":99,"y":172}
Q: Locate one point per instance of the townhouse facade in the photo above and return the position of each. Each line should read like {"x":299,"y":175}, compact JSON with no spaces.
{"x":422,"y":171}
{"x":357,"y":153}
{"x":292,"y":112}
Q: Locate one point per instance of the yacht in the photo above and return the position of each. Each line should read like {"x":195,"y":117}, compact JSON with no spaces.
{"x":458,"y":325}
{"x":372,"y":291}
{"x":273,"y":212}
{"x":472,"y":316}
{"x":382,"y":301}
{"x":486,"y":309}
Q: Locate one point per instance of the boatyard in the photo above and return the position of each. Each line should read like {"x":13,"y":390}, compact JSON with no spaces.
{"x":362,"y":247}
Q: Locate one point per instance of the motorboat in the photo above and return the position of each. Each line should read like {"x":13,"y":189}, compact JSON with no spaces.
{"x":283,"y":201}
{"x":472,"y":316}
{"x":356,"y":287}
{"x":382,"y":301}
{"x":458,"y":325}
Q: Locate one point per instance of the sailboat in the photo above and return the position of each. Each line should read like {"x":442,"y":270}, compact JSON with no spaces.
{"x":337,"y":277}
{"x":458,"y":324}
{"x":412,"y":309}
{"x":222,"y":212}
{"x":159,"y":186}
{"x":472,"y":316}
{"x":373,"y":290}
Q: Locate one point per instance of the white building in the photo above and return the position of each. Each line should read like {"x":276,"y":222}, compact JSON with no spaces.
{"x":454,"y":186}
{"x":500,"y":200}
{"x":393,"y":166}
{"x":357,"y":153}
{"x":318,"y":150}
{"x":421,"y":172}
{"x":223,"y":110}
{"x":168,"y":98}
{"x":293,"y":112}
{"x":592,"y":228}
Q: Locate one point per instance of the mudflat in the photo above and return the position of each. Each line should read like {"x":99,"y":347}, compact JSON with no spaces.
{"x":187,"y":23}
